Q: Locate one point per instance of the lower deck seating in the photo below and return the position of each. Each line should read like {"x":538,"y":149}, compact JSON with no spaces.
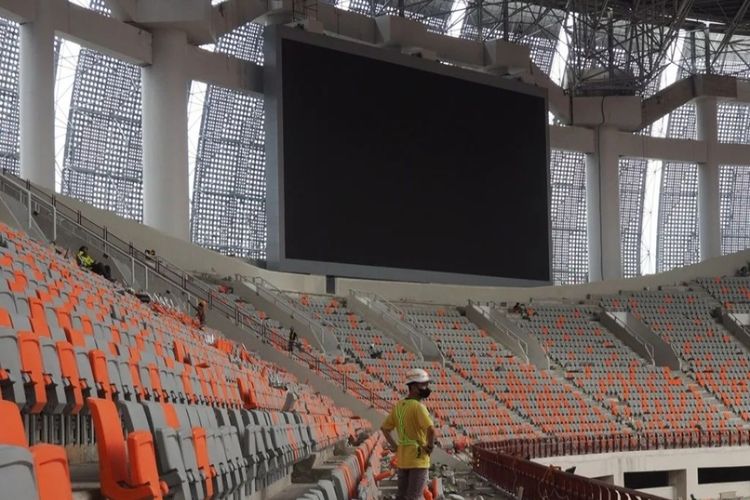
{"x":35,"y":472}
{"x":355,"y":477}
{"x":460,"y":410}
{"x":683,"y":317}
{"x":537,"y":395}
{"x":173,"y":409}
{"x":646,"y":396}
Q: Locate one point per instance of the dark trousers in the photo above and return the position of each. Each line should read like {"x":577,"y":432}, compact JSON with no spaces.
{"x":102,"y":270}
{"x":411,"y":483}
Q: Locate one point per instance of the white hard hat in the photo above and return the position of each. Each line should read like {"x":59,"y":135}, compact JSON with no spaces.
{"x":416,"y":375}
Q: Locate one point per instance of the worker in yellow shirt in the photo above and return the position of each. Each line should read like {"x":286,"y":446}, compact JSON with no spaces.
{"x":416,"y":436}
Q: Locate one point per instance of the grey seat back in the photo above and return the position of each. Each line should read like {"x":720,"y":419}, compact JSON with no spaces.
{"x":17,"y":473}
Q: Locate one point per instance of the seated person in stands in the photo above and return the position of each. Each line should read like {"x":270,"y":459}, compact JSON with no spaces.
{"x":86,"y":261}
{"x":516,"y":308}
{"x":744,"y":272}
{"x":374,"y":353}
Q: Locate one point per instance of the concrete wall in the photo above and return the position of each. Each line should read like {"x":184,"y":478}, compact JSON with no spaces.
{"x":194,"y":258}
{"x":682,"y":464}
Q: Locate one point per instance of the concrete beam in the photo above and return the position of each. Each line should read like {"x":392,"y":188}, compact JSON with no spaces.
{"x":225,"y":71}
{"x":124,"y":10}
{"x":20,"y":11}
{"x":743,"y":91}
{"x":641,"y":146}
{"x":394,"y":31}
{"x":620,"y":112}
{"x":684,"y":91}
{"x":228,"y":16}
{"x":194,"y":17}
{"x":103,"y":34}
{"x":732,"y":154}
{"x":572,"y":139}
{"x":559,"y":101}
{"x":346,"y":23}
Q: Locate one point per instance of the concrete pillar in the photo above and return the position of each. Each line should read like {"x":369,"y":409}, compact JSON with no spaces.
{"x":37,"y":99}
{"x":709,"y":197}
{"x":166,"y":202}
{"x":603,"y":207}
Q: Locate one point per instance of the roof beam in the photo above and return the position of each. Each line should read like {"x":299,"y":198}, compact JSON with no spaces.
{"x":683,"y":91}
{"x":104,"y":34}
{"x":232,"y":14}
{"x":226,"y":71}
{"x":640,"y":146}
{"x":123,"y":10}
{"x":20,"y":11}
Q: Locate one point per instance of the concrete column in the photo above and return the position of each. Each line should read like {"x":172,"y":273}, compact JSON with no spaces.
{"x":37,"y":99}
{"x":166,"y":202}
{"x":603,"y":207}
{"x":709,"y":197}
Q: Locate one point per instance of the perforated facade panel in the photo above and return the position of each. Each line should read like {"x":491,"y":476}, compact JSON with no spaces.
{"x":229,"y":192}
{"x":9,"y":103}
{"x":568,"y":215}
{"x":103,"y":161}
{"x":735,"y":208}
{"x":632,"y":187}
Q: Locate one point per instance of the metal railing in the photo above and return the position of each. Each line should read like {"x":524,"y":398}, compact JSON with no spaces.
{"x":504,"y":329}
{"x":508,"y":463}
{"x":38,"y":200}
{"x":622,"y":324}
{"x":280,"y":299}
{"x":532,"y":480}
{"x":394,"y":315}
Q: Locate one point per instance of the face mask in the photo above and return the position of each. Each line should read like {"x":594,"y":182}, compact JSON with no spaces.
{"x":424,"y":392}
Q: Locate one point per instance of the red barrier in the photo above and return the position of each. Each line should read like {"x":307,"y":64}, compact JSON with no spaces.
{"x":508,"y":463}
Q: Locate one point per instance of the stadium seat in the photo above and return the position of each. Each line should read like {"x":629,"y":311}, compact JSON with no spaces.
{"x":49,"y":463}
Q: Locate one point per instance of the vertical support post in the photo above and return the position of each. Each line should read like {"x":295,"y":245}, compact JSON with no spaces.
{"x":54,"y":219}
{"x":28,"y":208}
{"x":709,"y":196}
{"x":165,"y":141}
{"x":603,"y":208}
{"x":37,"y":97}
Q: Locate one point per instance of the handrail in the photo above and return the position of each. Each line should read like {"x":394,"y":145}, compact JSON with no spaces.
{"x":515,"y":474}
{"x":182,"y":280}
{"x":559,"y":446}
{"x":279,"y":298}
{"x":508,"y":463}
{"x":396,"y":316}
{"x":624,"y":325}
{"x":524,"y":345}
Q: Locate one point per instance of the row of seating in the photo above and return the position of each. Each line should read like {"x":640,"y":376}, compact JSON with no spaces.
{"x":597,"y":362}
{"x":194,"y":452}
{"x":38,"y":472}
{"x":356,"y":477}
{"x":172,"y":409}
{"x":534,"y":394}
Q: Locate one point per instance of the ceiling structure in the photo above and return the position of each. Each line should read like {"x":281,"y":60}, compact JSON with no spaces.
{"x":591,"y":48}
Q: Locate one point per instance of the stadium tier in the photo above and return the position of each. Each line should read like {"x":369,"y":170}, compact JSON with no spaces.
{"x":178,"y":410}
{"x":174,"y":410}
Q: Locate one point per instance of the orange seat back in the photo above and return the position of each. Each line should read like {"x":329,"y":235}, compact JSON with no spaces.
{"x":116,"y":458}
{"x":69,"y":370}
{"x":11,"y":432}
{"x":31,"y":365}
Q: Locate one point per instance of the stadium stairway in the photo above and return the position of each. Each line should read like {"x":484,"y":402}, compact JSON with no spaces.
{"x":506,"y":333}
{"x":308,"y":374}
{"x":387,"y":317}
{"x":276,"y":304}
